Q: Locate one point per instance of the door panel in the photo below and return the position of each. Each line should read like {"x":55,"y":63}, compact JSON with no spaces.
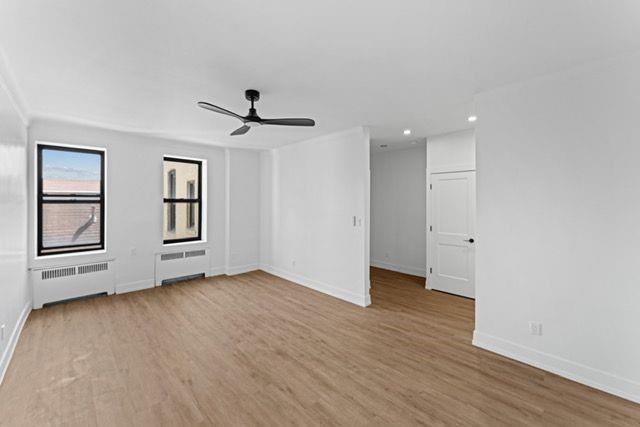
{"x":453,"y":220}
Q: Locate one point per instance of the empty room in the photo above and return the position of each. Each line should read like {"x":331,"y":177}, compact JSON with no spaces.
{"x":319,"y":213}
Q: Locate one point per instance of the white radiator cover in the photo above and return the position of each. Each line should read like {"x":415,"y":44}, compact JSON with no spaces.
{"x":64,"y":282}
{"x":175,"y":264}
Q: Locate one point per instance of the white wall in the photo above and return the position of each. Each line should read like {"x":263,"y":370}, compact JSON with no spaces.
{"x":451,"y":152}
{"x":318,"y":186}
{"x":558,"y":223}
{"x":14,"y":289}
{"x":134,"y":200}
{"x":243,"y":210}
{"x":398,"y":210}
{"x":266,"y":208}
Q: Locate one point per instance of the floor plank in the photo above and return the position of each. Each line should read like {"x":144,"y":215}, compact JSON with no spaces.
{"x":254,"y":349}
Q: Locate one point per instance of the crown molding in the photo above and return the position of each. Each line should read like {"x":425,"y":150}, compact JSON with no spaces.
{"x":166,"y":135}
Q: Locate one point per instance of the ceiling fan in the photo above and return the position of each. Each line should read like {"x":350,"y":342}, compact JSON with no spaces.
{"x":252,"y":119}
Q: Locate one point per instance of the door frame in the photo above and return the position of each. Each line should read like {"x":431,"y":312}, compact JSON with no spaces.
{"x":429,"y":239}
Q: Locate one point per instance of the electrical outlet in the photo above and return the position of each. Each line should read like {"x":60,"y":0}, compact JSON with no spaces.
{"x":535,"y":328}
{"x":133,"y":251}
{"x":386,"y":255}
{"x":293,"y":263}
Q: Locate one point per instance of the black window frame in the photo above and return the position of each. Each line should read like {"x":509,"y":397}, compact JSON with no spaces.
{"x":197,"y":200}
{"x":69,"y":198}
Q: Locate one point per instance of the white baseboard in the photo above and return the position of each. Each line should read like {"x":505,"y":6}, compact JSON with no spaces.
{"x":586,"y":375}
{"x":361,"y":300}
{"x":13,"y":340}
{"x":239,"y":269}
{"x":216,"y":271}
{"x":134,"y":286}
{"x":420,"y":272}
{"x":367,"y":300}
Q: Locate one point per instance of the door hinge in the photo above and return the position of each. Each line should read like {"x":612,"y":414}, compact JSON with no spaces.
{"x":430,"y":228}
{"x":430,"y":270}
{"x":430,"y":186}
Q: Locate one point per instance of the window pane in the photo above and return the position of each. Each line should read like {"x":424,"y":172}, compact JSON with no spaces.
{"x":186,"y":220}
{"x":177,"y":176}
{"x":65,"y":224}
{"x":70,"y":172}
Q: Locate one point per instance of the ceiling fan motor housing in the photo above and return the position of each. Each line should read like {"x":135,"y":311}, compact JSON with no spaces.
{"x":252,"y":95}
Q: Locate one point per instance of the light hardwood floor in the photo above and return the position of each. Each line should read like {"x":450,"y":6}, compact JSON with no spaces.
{"x":254,"y":349}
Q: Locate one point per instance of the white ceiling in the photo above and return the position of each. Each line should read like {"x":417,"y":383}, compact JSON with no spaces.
{"x":142,"y":65}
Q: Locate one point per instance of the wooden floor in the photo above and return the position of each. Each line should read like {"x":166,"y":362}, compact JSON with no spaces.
{"x":254,"y":349}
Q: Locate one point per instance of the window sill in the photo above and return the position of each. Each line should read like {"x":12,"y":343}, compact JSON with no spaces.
{"x":72,"y":254}
{"x":194,"y":242}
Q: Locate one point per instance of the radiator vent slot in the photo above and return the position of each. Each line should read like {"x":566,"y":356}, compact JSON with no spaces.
{"x":190,"y":254}
{"x":174,"y":255}
{"x":182,"y":279}
{"x":63,"y":301}
{"x":92,"y":268}
{"x":58,"y":272}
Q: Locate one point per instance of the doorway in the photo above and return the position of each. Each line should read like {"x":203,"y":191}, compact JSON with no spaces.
{"x":423,"y":213}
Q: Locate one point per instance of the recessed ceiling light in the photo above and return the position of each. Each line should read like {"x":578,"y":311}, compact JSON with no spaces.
{"x":472,"y":119}
{"x":383,"y":146}
{"x":407,"y":132}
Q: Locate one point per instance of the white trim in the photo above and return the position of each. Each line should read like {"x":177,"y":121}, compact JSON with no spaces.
{"x":227,"y":208}
{"x":216,"y":271}
{"x":139,"y":285}
{"x":367,"y":215}
{"x":60,"y":144}
{"x":192,"y":242}
{"x":13,"y":340}
{"x":174,"y":156}
{"x":168,"y":135}
{"x":574,"y":371}
{"x":463,"y":167}
{"x":70,"y":254}
{"x":105,"y":199}
{"x":414,"y":271}
{"x":240,"y":269}
{"x":361,"y":300}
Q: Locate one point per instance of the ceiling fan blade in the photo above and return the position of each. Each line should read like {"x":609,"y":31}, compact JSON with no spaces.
{"x":241,"y":130}
{"x":288,"y":122}
{"x":220,"y":110}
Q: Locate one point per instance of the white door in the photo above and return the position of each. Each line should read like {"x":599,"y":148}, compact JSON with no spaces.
{"x":452,"y":231}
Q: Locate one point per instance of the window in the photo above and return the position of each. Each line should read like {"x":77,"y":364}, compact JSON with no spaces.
{"x":70,"y":199}
{"x":182,"y":200}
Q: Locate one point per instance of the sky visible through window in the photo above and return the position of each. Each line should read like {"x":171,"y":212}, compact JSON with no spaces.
{"x":70,"y":166}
